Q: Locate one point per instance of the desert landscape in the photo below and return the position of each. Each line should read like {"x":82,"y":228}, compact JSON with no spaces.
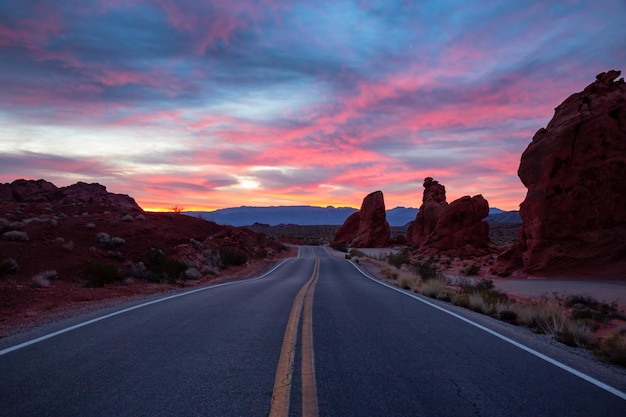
{"x":316,"y":208}
{"x":67,"y":249}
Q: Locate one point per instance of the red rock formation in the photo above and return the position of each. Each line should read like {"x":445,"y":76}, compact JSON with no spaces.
{"x":348,"y":229}
{"x":461,"y":227}
{"x":575,"y":170}
{"x":434,"y":204}
{"x":30,"y":191}
{"x":457,"y":226}
{"x":41,"y":191}
{"x":373,"y":229}
{"x":95,"y":194}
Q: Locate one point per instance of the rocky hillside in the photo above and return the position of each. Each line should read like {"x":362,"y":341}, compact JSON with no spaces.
{"x":59,"y":242}
{"x":41,"y":191}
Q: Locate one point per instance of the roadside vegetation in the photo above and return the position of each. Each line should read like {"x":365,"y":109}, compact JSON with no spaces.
{"x":570,"y":320}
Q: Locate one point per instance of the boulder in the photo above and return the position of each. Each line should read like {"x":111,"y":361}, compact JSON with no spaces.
{"x":442,"y":227}
{"x":574,"y":212}
{"x":367,"y":228}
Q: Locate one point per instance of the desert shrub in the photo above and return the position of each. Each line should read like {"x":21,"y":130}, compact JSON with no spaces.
{"x":90,"y":226}
{"x":195,"y":243}
{"x":544,"y":316}
{"x":127,"y":218}
{"x":356,"y":252}
{"x":478,"y":303}
{"x":537,"y":314}
{"x":42,"y":279}
{"x":99,"y":274}
{"x":103,"y":239}
{"x":177,"y":208}
{"x":587,"y":307}
{"x":575,"y":333}
{"x":472,"y":269}
{"x":406,"y":283}
{"x":434,"y":288}
{"x":8,"y":266}
{"x":193,"y":274}
{"x":504,"y":311}
{"x":261,"y":253}
{"x":486,"y":289}
{"x":427,"y":270}
{"x":508,"y":316}
{"x":230,"y":256}
{"x":399,"y":258}
{"x":208,"y":270}
{"x":140,"y":217}
{"x":340,"y":246}
{"x":482,"y":285}
{"x":116,"y":241}
{"x":15,"y":235}
{"x":613,"y":348}
{"x":137,"y":270}
{"x":68,"y":246}
{"x":163,"y":268}
{"x":461,"y":299}
{"x":390,"y":273}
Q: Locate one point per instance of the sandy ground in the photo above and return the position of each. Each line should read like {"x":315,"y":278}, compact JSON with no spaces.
{"x":602,"y":290}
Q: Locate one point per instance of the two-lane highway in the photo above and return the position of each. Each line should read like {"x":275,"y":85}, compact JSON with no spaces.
{"x":312,"y":337}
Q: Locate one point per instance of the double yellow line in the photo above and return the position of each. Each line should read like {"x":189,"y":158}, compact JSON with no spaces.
{"x":303,"y":303}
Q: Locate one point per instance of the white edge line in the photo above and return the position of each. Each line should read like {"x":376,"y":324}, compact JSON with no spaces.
{"x":540,"y":355}
{"x":126,"y":310}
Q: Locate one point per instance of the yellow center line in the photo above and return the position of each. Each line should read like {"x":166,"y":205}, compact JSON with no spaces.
{"x":284,"y":372}
{"x":309,"y":390}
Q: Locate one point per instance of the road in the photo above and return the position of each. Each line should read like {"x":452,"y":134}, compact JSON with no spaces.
{"x":314,"y":336}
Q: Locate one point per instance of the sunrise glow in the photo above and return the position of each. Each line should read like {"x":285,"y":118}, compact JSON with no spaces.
{"x":218,"y":104}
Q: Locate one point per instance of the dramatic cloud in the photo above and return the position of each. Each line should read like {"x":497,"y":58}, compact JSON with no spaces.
{"x":215,"y":104}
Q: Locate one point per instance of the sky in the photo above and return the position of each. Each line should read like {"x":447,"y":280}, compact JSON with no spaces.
{"x":214,"y":104}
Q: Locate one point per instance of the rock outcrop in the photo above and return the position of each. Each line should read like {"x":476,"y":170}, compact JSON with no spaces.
{"x":574,"y":213}
{"x":456,"y":227}
{"x":367,"y":228}
{"x":434,"y":204}
{"x":41,"y":191}
{"x":348,"y":229}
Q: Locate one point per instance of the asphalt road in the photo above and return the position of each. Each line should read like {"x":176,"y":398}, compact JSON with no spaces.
{"x":219,"y":352}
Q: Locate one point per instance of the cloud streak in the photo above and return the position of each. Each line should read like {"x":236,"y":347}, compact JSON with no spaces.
{"x":218,"y":104}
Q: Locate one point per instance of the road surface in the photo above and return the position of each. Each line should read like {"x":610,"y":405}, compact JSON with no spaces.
{"x":312,"y":337}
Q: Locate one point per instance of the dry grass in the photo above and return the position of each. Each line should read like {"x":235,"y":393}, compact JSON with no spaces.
{"x":478,"y":303}
{"x":435,"y":288}
{"x":564,"y":320}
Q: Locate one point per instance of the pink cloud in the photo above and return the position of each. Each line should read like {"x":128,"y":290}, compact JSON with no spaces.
{"x":208,"y":25}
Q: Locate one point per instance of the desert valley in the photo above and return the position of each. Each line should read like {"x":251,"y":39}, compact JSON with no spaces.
{"x":64,"y":250}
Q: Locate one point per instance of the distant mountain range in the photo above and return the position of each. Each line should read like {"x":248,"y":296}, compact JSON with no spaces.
{"x":315,"y":216}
